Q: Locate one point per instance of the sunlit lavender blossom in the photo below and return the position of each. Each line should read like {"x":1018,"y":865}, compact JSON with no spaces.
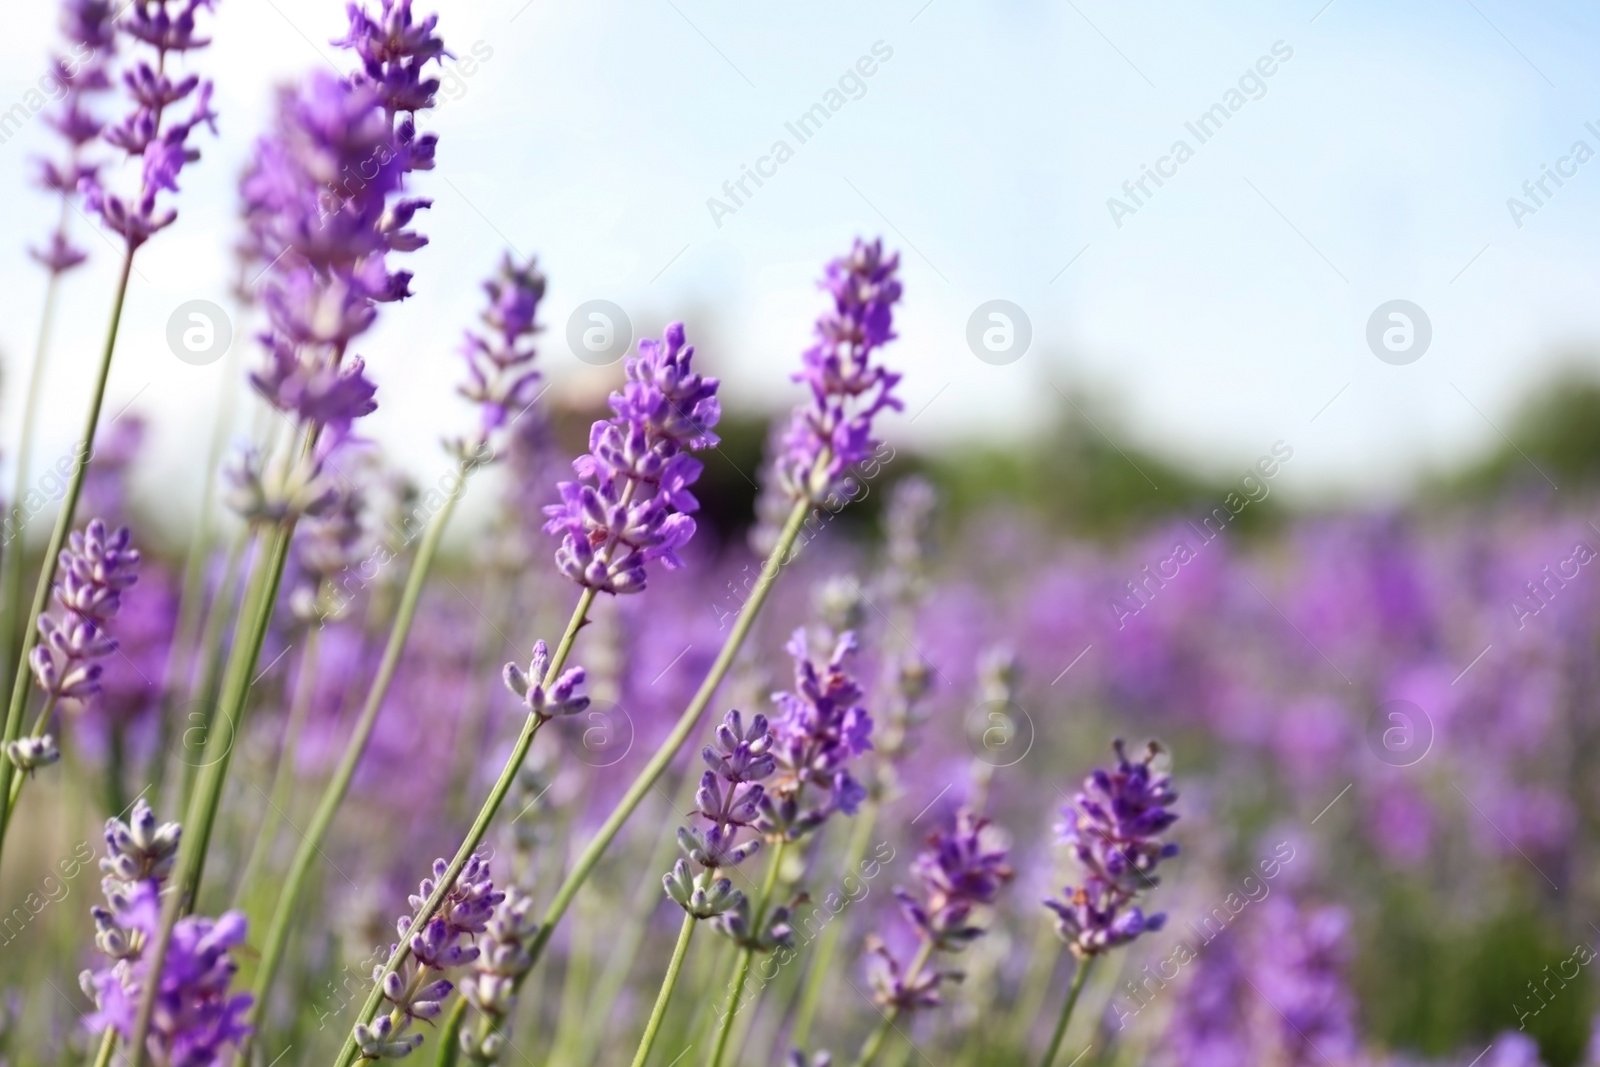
{"x":395,"y":50}
{"x":86,"y":26}
{"x":833,"y":432}
{"x":95,"y":567}
{"x":166,"y":27}
{"x":1114,"y":827}
{"x":822,"y":725}
{"x":560,"y":697}
{"x":729,"y":796}
{"x":630,"y":505}
{"x":962,"y":869}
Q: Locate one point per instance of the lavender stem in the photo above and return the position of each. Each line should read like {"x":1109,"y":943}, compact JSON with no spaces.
{"x":659,"y":1012}
{"x":855,"y":852}
{"x":741,"y":966}
{"x":310,"y":848}
{"x":874,"y":1042}
{"x":1078,"y":976}
{"x":22,"y":680}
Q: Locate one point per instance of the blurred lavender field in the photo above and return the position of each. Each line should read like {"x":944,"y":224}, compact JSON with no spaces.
{"x":723,"y":735}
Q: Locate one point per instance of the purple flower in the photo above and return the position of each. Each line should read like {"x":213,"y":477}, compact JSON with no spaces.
{"x":147,"y":132}
{"x":1114,"y":827}
{"x":500,"y":372}
{"x":961,"y":870}
{"x":447,"y":941}
{"x":95,"y":568}
{"x":630,"y":504}
{"x":729,"y":796}
{"x":491,"y":987}
{"x":196,"y":1021}
{"x":834,"y":431}
{"x":394,"y":49}
{"x":560,"y":698}
{"x":822,"y":725}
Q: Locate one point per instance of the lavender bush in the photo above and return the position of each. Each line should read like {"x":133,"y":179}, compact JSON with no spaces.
{"x":1384,"y":853}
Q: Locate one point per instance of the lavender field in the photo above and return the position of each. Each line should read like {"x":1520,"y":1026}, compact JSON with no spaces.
{"x":710,"y":732}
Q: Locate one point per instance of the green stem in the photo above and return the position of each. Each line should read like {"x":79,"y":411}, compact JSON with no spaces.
{"x":874,"y":1042}
{"x":450,"y":1034}
{"x":20,"y":682}
{"x":1078,"y":977}
{"x":285,"y":912}
{"x":203,"y":694}
{"x":822,"y":958}
{"x":12,"y":567}
{"x":480,"y":825}
{"x":283,"y":776}
{"x":741,"y":966}
{"x":249,"y":635}
{"x":663,"y":756}
{"x":660,"y":1010}
{"x":108,"y":1046}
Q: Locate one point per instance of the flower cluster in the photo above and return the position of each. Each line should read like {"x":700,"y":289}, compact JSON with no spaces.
{"x":822,"y":725}
{"x":197,"y":1022}
{"x":395,"y":49}
{"x":560,"y":697}
{"x":417,"y":990}
{"x":145,"y":133}
{"x":834,"y":431}
{"x":492,"y":985}
{"x":500,"y":372}
{"x":630,"y":506}
{"x":961,"y":870}
{"x":95,"y":567}
{"x":1114,"y":827}
{"x":729,"y":796}
{"x":81,"y":74}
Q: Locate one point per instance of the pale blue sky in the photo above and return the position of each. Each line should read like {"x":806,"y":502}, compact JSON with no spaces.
{"x":1220,"y":317}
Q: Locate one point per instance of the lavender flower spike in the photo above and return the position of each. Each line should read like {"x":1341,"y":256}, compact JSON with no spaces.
{"x":630,"y":505}
{"x":728,"y":798}
{"x":95,"y":568}
{"x":161,"y":146}
{"x":447,"y":941}
{"x":834,"y":431}
{"x":1114,"y":827}
{"x":501,"y":375}
{"x":492,"y":985}
{"x":561,"y":698}
{"x":197,"y":1022}
{"x":962,"y":869}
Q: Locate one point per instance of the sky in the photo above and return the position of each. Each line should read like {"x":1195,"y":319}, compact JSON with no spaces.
{"x":1356,"y":153}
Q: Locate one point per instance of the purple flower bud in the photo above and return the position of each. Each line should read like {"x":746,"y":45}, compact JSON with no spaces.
{"x":94,"y":569}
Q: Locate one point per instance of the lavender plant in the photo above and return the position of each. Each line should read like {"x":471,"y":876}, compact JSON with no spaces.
{"x":1114,"y":827}
{"x":167,"y":28}
{"x":962,"y":871}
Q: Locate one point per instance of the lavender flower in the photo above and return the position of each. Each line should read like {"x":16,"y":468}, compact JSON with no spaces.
{"x":95,"y":568}
{"x":962,"y":869}
{"x":729,"y":796}
{"x":86,"y":26}
{"x":394,"y":50}
{"x":834,"y":431}
{"x":28,"y":754}
{"x":145,"y":133}
{"x":501,"y":376}
{"x":196,"y":1021}
{"x":1114,"y":827}
{"x":822,"y":726}
{"x":417,"y":990}
{"x":562,"y":696}
{"x":630,"y":504}
{"x":492,"y":985}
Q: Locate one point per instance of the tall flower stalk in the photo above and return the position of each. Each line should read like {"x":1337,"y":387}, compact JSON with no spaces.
{"x":323,"y":209}
{"x":628,"y":508}
{"x":501,"y":378}
{"x":167,"y":29}
{"x":1114,"y":827}
{"x":962,"y":871}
